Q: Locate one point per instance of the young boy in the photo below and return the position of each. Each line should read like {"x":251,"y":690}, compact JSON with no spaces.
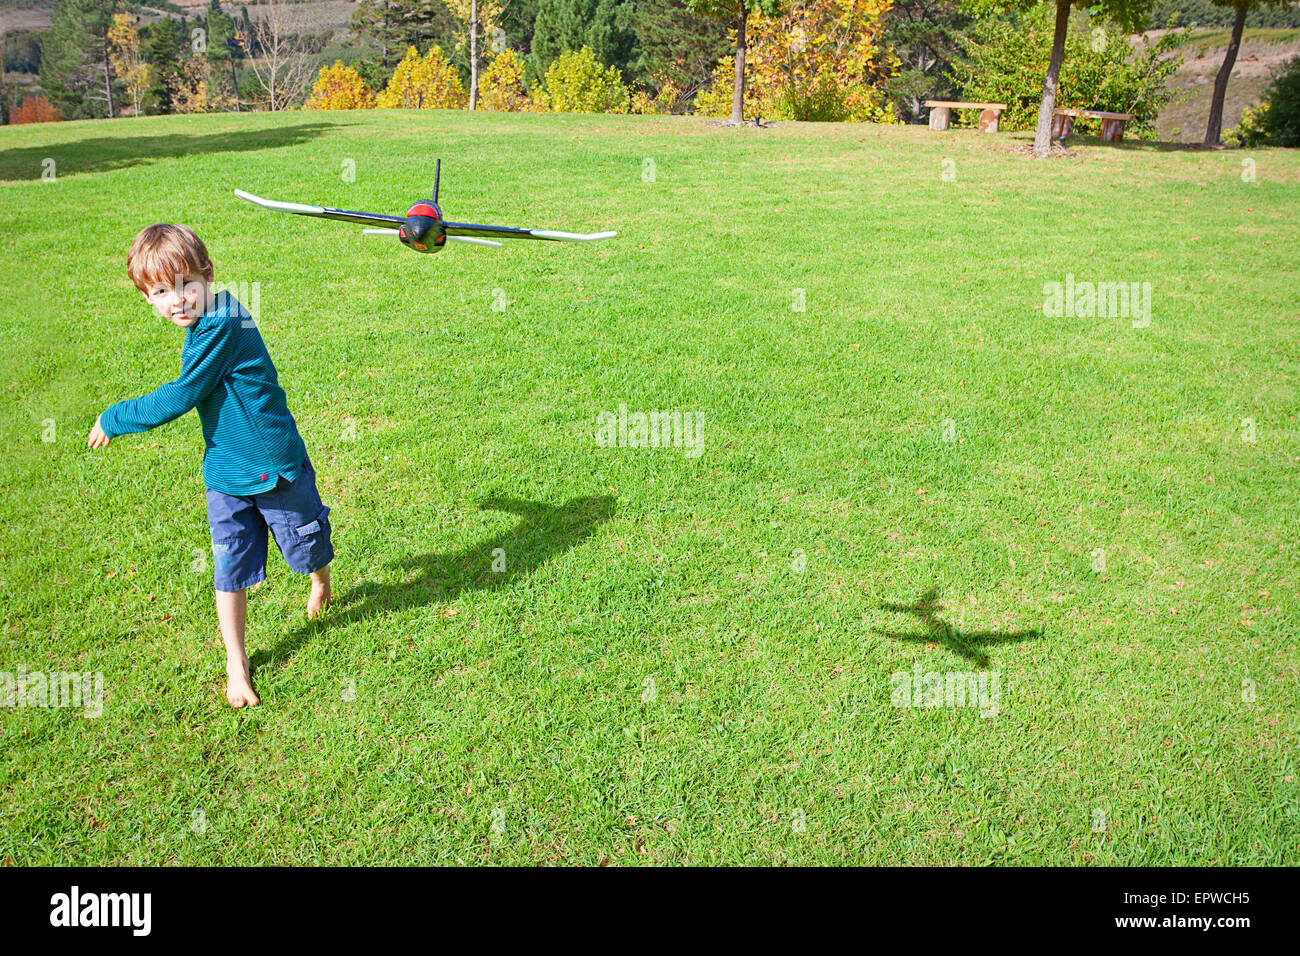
{"x":255,"y":465}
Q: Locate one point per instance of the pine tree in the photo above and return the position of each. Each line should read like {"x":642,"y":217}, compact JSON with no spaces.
{"x":222,"y":46}
{"x":562,"y":25}
{"x":75,"y":70}
{"x":398,"y":24}
{"x":676,"y":46}
{"x":164,"y":63}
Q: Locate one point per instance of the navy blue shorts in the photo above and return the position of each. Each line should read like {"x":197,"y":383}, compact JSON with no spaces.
{"x":291,"y":511}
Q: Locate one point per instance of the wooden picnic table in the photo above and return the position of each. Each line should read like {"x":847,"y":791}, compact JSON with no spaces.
{"x":941,"y":112}
{"x":1112,"y":124}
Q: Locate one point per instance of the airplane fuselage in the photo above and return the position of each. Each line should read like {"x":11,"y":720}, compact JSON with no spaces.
{"x":424,"y":229}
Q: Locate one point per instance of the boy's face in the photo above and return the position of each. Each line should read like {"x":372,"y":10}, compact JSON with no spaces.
{"x":182,"y":301}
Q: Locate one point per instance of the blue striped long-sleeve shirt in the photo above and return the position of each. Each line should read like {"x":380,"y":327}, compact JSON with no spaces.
{"x":226,"y":373}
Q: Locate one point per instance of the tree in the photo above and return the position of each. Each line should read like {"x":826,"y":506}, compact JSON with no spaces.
{"x":340,"y":87}
{"x":127,"y":57}
{"x":518,"y":17}
{"x":925,"y":36}
{"x":1101,"y":69}
{"x":192,"y":91}
{"x":398,"y":24}
{"x":675,"y":48}
{"x":821,"y":61}
{"x":503,"y":83}
{"x":737,"y":12}
{"x":1205,"y":13}
{"x":577,"y":83}
{"x":568,"y":25}
{"x":283,"y":68}
{"x":474,"y":17}
{"x":223,"y":46}
{"x":1130,"y":14}
{"x":75,"y":69}
{"x":35,"y":109}
{"x":1214,"y":126}
{"x":426,"y":83}
{"x":165,"y":65}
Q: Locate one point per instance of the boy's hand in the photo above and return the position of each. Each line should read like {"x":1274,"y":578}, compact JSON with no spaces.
{"x":97,"y":438}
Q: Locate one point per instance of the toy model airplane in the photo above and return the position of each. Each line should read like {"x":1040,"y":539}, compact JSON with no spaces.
{"x":423,"y":228}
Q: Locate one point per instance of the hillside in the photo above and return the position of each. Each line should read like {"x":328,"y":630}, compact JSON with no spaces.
{"x":1263,"y":52}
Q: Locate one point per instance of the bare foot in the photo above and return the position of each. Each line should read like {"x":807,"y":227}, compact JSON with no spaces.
{"x":319,"y":597}
{"x":239,"y":688}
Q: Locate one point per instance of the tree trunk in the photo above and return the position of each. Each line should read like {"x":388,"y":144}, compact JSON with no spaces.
{"x":108,"y":80}
{"x":738,"y":97}
{"x":1043,"y":134}
{"x":473,"y":54}
{"x":234,"y":80}
{"x":1214,"y":127}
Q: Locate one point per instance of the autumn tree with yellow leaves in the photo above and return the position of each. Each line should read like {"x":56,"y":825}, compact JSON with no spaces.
{"x":476,"y":18}
{"x":822,"y":61}
{"x":125,"y":56}
{"x":503,"y":84}
{"x":423,"y":83}
{"x":819,"y":61}
{"x":340,"y":87}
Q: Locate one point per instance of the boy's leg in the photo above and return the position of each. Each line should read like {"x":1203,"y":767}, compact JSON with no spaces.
{"x":239,"y":538}
{"x":320,"y":591}
{"x":301,"y":525}
{"x":232,"y":611}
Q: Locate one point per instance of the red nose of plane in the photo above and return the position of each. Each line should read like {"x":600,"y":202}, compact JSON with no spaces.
{"x":423,"y":230}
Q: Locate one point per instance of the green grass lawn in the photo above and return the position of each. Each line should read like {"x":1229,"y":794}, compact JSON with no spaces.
{"x":687,"y":659}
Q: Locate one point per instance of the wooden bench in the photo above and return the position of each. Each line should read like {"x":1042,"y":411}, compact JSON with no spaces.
{"x":941,"y":111}
{"x":1112,"y":124}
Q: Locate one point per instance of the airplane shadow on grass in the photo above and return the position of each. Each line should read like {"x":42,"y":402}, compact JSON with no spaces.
{"x":969,"y":644}
{"x":543,"y":532}
{"x":103,"y":153}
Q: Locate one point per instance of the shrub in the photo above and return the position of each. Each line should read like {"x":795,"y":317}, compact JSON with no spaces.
{"x":35,"y":109}
{"x":340,"y":87}
{"x":501,"y":87}
{"x":665,"y":96}
{"x":577,"y":83}
{"x":1250,"y":130}
{"x":424,"y":84}
{"x":1276,"y":121}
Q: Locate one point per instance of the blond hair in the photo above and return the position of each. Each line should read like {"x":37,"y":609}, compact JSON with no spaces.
{"x":166,"y":253}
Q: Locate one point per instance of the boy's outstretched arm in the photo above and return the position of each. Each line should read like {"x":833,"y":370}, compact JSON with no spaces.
{"x":213,"y":351}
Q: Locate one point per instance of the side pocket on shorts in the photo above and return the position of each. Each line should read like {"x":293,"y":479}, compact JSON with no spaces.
{"x":312,"y":527}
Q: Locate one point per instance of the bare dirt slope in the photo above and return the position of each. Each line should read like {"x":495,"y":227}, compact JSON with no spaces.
{"x":1184,"y":120}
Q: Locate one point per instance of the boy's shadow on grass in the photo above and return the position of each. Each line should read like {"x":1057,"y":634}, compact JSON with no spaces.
{"x":969,"y":644}
{"x":102,"y":153}
{"x":543,"y":532}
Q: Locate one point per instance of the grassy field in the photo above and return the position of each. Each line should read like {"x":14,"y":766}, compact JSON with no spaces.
{"x":688,"y":658}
